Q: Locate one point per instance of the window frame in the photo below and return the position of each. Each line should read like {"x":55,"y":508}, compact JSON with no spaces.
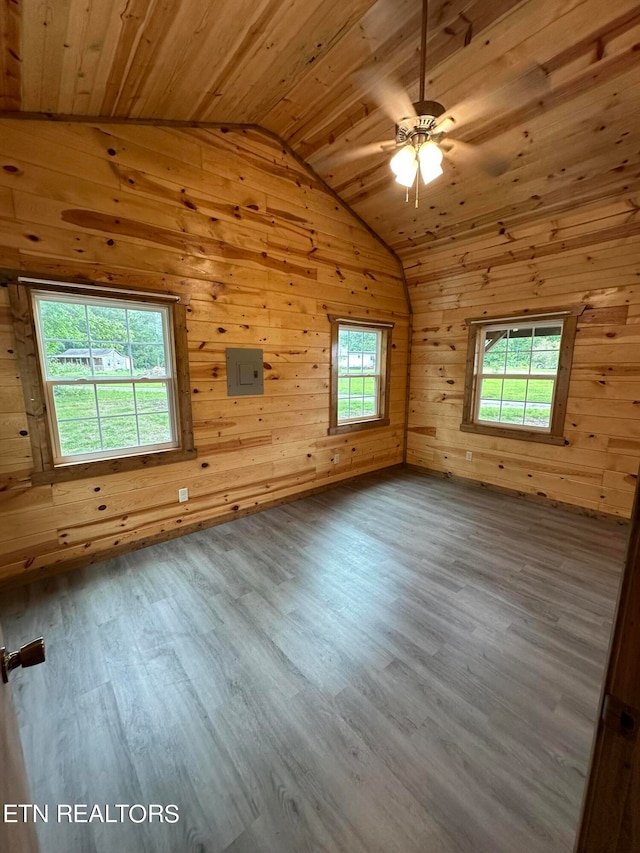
{"x":554,"y":434}
{"x":381,"y":419}
{"x":46,"y":469}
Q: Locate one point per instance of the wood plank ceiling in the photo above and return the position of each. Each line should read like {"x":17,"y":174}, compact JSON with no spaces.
{"x":309,"y":69}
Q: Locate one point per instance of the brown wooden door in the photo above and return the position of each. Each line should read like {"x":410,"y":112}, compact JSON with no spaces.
{"x":611,"y":808}
{"x":14,"y":837}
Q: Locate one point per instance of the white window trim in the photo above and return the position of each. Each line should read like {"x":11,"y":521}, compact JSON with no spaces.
{"x":59,"y":459}
{"x":479,"y":376}
{"x":377,"y":376}
{"x":383,"y":389}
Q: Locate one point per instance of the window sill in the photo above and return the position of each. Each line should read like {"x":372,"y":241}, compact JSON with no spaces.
{"x":510,"y":432}
{"x":359,"y":425}
{"x":100,"y":467}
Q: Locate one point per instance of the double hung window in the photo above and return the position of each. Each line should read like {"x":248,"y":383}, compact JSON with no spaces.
{"x":360,"y":355}
{"x":518,"y":376}
{"x":105,"y":377}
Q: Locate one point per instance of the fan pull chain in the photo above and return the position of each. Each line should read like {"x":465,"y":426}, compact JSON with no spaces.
{"x":417,"y":188}
{"x":406,"y":196}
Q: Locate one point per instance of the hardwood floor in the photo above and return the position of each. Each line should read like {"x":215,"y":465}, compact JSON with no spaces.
{"x":400,"y":664}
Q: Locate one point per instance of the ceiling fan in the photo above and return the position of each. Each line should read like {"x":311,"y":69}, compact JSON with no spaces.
{"x":423,"y":132}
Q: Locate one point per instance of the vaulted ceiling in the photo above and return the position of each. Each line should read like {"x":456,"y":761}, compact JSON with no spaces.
{"x":325,"y":76}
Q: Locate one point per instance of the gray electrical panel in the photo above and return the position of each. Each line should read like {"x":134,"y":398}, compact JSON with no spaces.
{"x":244,"y":371}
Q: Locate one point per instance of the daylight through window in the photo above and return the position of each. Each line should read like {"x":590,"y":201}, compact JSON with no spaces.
{"x":517,"y":377}
{"x":518,"y":373}
{"x":108,"y":374}
{"x":359,"y":367}
{"x":358,"y":373}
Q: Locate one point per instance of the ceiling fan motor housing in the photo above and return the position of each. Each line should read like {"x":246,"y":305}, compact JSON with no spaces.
{"x":417,"y":128}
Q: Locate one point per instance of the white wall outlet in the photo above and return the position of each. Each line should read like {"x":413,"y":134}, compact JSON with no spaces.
{"x":469,"y":456}
{"x":183,"y":495}
{"x":336,"y":458}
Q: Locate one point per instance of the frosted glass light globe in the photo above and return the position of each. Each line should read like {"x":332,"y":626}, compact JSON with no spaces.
{"x":404,"y":165}
{"x":430,"y":157}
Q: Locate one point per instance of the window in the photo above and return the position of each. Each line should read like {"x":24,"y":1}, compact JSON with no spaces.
{"x":360,"y":359}
{"x":518,"y":376}
{"x":105,"y":376}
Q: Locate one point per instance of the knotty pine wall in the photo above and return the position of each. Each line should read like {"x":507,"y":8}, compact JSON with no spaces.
{"x":592,"y":257}
{"x":262,"y":252}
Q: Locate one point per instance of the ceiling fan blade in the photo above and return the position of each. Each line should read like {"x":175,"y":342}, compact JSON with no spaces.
{"x":506,"y":95}
{"x":476,"y":156}
{"x":388,"y":94}
{"x":393,"y":98}
{"x":348,"y":155}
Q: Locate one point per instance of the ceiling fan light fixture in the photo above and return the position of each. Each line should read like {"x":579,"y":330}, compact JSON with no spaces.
{"x":430,"y":157}
{"x":404,"y":165}
{"x":403,"y":159}
{"x":414,"y":132}
{"x":407,"y":177}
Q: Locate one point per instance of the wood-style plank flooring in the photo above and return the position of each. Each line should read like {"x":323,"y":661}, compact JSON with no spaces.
{"x":400,"y":664}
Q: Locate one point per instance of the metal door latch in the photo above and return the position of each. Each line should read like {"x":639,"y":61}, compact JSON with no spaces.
{"x":29,"y":655}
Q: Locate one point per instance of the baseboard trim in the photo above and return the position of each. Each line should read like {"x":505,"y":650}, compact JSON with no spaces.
{"x":517,"y":493}
{"x":41,"y":572}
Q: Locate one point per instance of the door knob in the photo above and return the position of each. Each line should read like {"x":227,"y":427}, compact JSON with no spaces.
{"x":29,"y":655}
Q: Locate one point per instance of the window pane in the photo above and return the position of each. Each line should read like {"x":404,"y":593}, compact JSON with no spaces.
{"x":512,"y":412}
{"x":74,"y":402}
{"x":491,"y":389}
{"x":538,"y":415}
{"x":489,"y":411}
{"x":494,"y":362}
{"x":148,"y":360}
{"x":515,"y":389}
{"x":343,"y":347}
{"x":119,"y":432}
{"x":152,"y":397}
{"x":540,"y":390}
{"x":370,"y":406}
{"x":496,"y":341}
{"x":63,"y":321}
{"x":356,"y":387}
{"x":547,"y":338}
{"x":519,"y":338}
{"x":146,"y":326}
{"x":370,"y":342}
{"x":370,"y":362}
{"x":155,"y":429}
{"x":545,"y":361}
{"x":108,"y":324}
{"x":356,"y":341}
{"x":79,"y":437}
{"x":356,"y":408}
{"x":115,"y":400}
{"x":518,"y":360}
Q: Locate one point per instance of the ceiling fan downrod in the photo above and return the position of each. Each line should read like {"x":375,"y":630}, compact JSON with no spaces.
{"x":419,"y":151}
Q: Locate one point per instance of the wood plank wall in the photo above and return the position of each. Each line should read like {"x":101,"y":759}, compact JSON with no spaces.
{"x":262,"y":251}
{"x":590,"y":256}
